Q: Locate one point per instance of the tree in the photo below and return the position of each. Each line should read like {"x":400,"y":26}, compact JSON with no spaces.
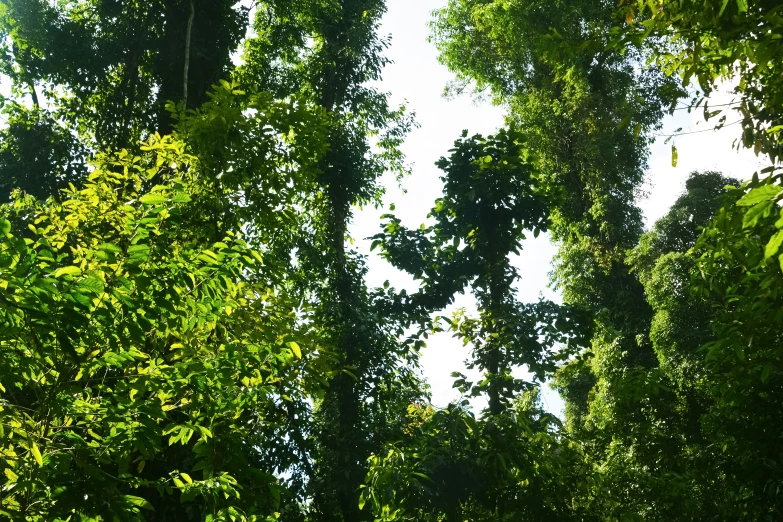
{"x":105,"y":70}
{"x":712,"y":42}
{"x":134,"y":366}
{"x":449,"y":463}
{"x":37,"y":155}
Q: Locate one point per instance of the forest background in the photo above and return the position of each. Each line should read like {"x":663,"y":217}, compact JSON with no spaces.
{"x":194,"y":327}
{"x":416,"y":78}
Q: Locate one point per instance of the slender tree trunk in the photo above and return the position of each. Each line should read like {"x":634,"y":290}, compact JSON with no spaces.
{"x":187,"y":57}
{"x":495,"y":355}
{"x":34,"y":95}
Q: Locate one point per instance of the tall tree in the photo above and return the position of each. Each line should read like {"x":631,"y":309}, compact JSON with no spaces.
{"x":472,"y":468}
{"x":589,"y":112}
{"x":106,"y":69}
{"x":327,"y":53}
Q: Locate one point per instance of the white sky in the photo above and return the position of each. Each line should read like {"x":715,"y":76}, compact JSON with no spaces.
{"x":417,"y":79}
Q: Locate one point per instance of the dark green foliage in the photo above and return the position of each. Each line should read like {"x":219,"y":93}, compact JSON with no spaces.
{"x":37,"y":155}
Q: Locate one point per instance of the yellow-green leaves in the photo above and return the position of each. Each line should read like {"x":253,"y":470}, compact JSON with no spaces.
{"x":5,"y":227}
{"x":153,"y":199}
{"x":760,"y":194}
{"x":67,"y":270}
{"x":295,"y":349}
{"x":773,"y":245}
{"x":36,"y":453}
{"x":10,"y":475}
{"x":755,"y":213}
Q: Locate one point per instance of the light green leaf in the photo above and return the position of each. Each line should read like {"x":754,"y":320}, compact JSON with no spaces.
{"x":675,"y":156}
{"x":773,"y":245}
{"x":759,"y":194}
{"x":12,"y":477}
{"x":36,"y":454}
{"x":295,"y":348}
{"x":139,"y":502}
{"x":67,"y":270}
{"x":755,"y":213}
{"x":109,"y":247}
{"x":153,"y":199}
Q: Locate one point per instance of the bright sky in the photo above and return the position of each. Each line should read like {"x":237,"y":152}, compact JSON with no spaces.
{"x":417,"y":79}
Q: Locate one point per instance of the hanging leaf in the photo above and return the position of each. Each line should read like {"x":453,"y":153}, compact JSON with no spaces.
{"x":675,"y":156}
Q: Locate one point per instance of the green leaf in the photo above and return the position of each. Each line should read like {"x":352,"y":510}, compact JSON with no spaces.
{"x":773,"y":245}
{"x":295,"y":348}
{"x":759,"y":194}
{"x":675,"y":156}
{"x":92,"y":284}
{"x":742,"y":6}
{"x":67,"y":270}
{"x":180,"y":197}
{"x":36,"y":454}
{"x":139,"y":502}
{"x":135,"y":249}
{"x":153,"y":199}
{"x":109,"y":247}
{"x":12,"y":477}
{"x":5,"y":227}
{"x":723,"y":7}
{"x":755,"y":213}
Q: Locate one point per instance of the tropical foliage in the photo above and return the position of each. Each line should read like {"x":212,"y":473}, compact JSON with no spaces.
{"x":187,"y":331}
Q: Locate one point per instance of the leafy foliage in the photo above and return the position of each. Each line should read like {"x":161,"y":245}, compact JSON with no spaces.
{"x":186,"y":332}
{"x":133,"y":367}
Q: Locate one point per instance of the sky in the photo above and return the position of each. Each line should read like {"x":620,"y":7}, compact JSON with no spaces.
{"x":416,"y":79}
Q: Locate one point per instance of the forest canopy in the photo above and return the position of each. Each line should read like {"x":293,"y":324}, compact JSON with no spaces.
{"x":187,"y":331}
